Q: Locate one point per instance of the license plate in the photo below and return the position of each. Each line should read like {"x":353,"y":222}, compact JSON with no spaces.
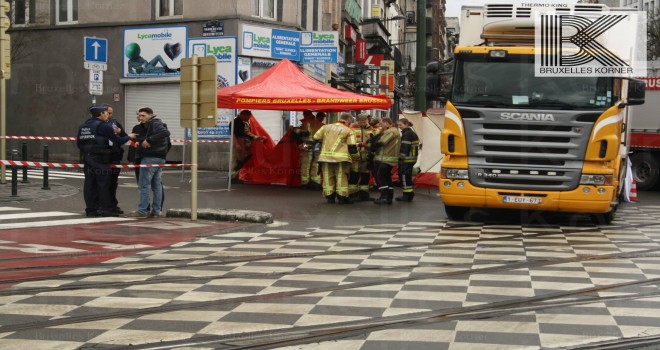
{"x":522,"y":200}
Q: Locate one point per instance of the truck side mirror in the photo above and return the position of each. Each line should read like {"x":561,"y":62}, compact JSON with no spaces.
{"x":636,"y":92}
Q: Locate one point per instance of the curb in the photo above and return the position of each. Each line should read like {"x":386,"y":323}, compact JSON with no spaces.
{"x":259,"y":217}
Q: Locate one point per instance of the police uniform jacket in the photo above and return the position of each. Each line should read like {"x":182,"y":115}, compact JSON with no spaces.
{"x":388,"y":147}
{"x":95,"y":139}
{"x":338,"y":143}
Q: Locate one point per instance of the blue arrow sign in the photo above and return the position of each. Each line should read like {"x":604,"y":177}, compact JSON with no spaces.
{"x":96,"y":50}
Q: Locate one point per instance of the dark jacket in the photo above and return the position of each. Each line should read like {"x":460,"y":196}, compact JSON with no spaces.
{"x":133,"y":157}
{"x":99,"y":145}
{"x":117,"y":153}
{"x":158,"y":136}
{"x":409,"y":146}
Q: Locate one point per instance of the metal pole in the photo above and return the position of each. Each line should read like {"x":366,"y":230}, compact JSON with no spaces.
{"x":24,"y":157}
{"x":195,"y":97}
{"x":183,"y":160}
{"x":3,"y":127}
{"x":45,"y":160}
{"x":420,"y":67}
{"x":231,"y":154}
{"x":14,"y":174}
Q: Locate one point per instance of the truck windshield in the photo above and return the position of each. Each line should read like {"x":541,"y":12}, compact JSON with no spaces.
{"x":513,"y":84}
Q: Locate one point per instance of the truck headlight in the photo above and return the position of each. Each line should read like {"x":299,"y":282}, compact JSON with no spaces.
{"x":596,"y":180}
{"x":454,"y":174}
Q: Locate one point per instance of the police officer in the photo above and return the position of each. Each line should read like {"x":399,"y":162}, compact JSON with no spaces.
{"x":407,"y":159}
{"x":95,"y":139}
{"x":116,"y":155}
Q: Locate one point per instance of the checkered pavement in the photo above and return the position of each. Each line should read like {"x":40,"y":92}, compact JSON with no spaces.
{"x":260,"y":283}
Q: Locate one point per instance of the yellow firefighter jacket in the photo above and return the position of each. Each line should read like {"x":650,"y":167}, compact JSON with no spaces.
{"x":338,"y":140}
{"x":308,"y":128}
{"x":389,"y":145}
{"x":362,"y":135}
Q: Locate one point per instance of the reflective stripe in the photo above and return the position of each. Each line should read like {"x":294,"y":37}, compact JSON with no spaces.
{"x":407,"y":142}
{"x":408,"y":190}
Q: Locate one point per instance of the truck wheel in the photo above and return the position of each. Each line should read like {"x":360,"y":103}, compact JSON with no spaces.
{"x":456,"y":213}
{"x":645,"y":170}
{"x":604,"y":218}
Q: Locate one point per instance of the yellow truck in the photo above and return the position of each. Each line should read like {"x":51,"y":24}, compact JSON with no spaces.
{"x":514,"y":140}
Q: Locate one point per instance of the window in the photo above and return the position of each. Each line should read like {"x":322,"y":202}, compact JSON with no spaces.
{"x":264,"y":8}
{"x":67,"y":11}
{"x":23,"y":12}
{"x":170,"y":8}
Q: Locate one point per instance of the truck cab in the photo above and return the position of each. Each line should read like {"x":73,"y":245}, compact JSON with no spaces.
{"x":514,"y":140}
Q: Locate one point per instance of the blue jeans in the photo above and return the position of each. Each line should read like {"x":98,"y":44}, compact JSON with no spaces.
{"x":150,"y":178}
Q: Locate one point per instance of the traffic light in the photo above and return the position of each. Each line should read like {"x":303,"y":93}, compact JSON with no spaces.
{"x":206,"y":99}
{"x":5,"y":43}
{"x":432,"y":81}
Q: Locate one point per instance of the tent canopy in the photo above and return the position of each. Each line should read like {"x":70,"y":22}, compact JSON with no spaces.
{"x":285,"y":87}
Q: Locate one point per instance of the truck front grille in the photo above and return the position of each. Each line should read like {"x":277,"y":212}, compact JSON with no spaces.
{"x":526,"y":155}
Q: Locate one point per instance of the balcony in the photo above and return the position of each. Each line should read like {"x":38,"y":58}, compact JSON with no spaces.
{"x":374,"y":31}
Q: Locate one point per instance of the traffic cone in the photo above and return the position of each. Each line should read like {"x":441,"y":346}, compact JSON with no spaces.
{"x":633,"y":191}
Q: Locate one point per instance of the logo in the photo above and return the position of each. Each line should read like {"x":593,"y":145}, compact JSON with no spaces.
{"x":261,"y":42}
{"x":323,"y":39}
{"x":158,"y":36}
{"x":220,"y":52}
{"x":537,"y":117}
{"x":597,"y":44}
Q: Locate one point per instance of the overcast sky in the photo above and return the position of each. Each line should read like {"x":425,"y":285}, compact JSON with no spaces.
{"x":454,"y":6}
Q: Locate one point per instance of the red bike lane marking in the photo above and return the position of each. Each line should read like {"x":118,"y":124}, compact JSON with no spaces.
{"x":42,"y":252}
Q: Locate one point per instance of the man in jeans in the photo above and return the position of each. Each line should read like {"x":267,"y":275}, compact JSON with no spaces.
{"x":152,"y":149}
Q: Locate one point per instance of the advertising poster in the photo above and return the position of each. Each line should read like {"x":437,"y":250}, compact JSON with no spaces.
{"x":319,"y":47}
{"x":256,"y":41}
{"x":270,"y":43}
{"x":224,"y":50}
{"x":244,"y":69}
{"x":154,"y":52}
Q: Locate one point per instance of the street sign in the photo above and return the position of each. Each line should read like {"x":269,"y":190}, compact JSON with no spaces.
{"x":96,"y":82}
{"x":96,"y":66}
{"x":96,"y":51}
{"x":374,"y":59}
{"x":198,"y":92}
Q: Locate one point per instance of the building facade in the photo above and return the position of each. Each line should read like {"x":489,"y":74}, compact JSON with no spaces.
{"x":48,"y":93}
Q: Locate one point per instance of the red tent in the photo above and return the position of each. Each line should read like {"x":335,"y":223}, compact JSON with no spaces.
{"x":286,"y":87}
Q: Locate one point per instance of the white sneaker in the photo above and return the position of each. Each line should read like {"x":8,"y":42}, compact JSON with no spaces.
{"x":137,"y":214}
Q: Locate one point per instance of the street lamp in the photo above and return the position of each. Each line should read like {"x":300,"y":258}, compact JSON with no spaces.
{"x":375,"y":19}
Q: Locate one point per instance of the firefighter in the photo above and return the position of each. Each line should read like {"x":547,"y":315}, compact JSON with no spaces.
{"x":243,"y":138}
{"x":386,"y":157}
{"x":358,"y":183}
{"x":407,"y":159}
{"x":338,"y":150}
{"x":309,"y":166}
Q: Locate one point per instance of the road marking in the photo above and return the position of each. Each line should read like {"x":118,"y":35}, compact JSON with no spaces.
{"x":12,"y":209}
{"x":34,"y":224}
{"x":114,"y":246}
{"x":166,"y":225}
{"x":47,"y":214}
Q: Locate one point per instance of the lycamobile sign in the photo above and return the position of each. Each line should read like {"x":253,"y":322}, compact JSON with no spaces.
{"x":306,"y":47}
{"x":159,"y":36}
{"x":153,"y":52}
{"x":224,"y":50}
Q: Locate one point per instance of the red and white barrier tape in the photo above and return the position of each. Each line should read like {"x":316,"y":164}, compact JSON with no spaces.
{"x":53,"y":138}
{"x":201,"y":141}
{"x":65,"y":138}
{"x":80,"y":166}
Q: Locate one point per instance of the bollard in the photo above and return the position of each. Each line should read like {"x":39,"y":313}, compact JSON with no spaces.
{"x":14,"y":174}
{"x":24,"y":157}
{"x":45,"y":160}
